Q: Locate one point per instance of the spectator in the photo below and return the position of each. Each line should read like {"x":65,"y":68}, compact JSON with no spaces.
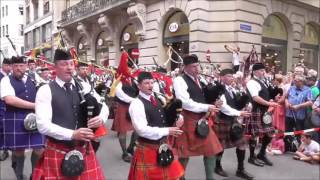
{"x":308,"y":149}
{"x":276,"y":147}
{"x":235,"y":56}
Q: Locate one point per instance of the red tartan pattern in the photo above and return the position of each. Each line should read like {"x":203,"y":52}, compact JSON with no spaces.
{"x":222,"y":129}
{"x":189,"y":144}
{"x":254,"y":125}
{"x":144,"y":165}
{"x":49,"y":166}
{"x":121,"y":122}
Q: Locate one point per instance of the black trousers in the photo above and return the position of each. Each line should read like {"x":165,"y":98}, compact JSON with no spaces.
{"x":292,"y":125}
{"x":236,"y":68}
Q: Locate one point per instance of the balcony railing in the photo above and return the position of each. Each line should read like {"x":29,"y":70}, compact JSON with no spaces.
{"x":85,"y":8}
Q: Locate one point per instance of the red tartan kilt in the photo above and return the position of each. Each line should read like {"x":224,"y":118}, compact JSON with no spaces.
{"x":144,"y":165}
{"x":189,"y":144}
{"x":49,"y":165}
{"x":222,"y":129}
{"x":121,"y":122}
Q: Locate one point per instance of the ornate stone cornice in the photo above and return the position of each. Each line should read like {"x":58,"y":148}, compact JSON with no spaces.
{"x":137,"y":13}
{"x":83,"y":30}
{"x":105,"y":24}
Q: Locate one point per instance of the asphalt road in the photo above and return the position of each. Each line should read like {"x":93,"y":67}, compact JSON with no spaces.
{"x":284,"y":168}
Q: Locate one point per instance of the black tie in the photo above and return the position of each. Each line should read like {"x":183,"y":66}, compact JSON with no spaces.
{"x":68,"y":87}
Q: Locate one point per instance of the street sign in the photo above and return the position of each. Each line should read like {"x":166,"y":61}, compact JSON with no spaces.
{"x":135,"y":53}
{"x":245,"y":27}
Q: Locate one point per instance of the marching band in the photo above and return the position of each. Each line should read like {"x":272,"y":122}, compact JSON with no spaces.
{"x":173,"y":116}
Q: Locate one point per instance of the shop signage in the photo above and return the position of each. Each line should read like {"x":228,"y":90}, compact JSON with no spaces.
{"x":245,"y":27}
{"x":173,"y":27}
{"x":126,"y":36}
{"x":135,"y":53}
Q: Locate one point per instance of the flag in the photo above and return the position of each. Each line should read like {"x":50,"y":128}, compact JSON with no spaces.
{"x":74,"y":55}
{"x":123,"y":69}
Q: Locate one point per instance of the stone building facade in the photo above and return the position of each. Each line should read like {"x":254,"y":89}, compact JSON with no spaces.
{"x":282,"y":32}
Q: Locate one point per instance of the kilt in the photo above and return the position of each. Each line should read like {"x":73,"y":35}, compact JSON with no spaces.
{"x":254,"y":125}
{"x":2,"y":110}
{"x":144,"y":165}
{"x":189,"y":144}
{"x":49,"y":165}
{"x":121,"y":122}
{"x":15,"y":135}
{"x":222,"y":129}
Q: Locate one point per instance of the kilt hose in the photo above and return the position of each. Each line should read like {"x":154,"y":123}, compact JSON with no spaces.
{"x":222,"y":129}
{"x":122,"y":122}
{"x":189,"y":144}
{"x":254,"y":125}
{"x":144,"y":165}
{"x":15,"y":136}
{"x":49,"y":165}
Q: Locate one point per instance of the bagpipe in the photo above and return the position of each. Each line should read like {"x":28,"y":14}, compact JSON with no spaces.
{"x":88,"y":103}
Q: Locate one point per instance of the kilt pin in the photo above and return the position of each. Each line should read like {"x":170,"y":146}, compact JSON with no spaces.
{"x":122,"y":122}
{"x":49,"y":165}
{"x":189,"y":144}
{"x":144,"y":165}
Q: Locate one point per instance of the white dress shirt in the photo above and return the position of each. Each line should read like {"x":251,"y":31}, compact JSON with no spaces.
{"x":253,"y":87}
{"x":44,"y":111}
{"x":181,"y":91}
{"x":6,"y":88}
{"x":140,"y":123}
{"x":225,"y":108}
{"x":122,"y":95}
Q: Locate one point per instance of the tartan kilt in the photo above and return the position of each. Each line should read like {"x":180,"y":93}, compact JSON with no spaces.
{"x":222,"y":129}
{"x":189,"y":144}
{"x":144,"y":165}
{"x":254,"y":125}
{"x":122,"y":122}
{"x":49,"y":165}
{"x":15,"y":135}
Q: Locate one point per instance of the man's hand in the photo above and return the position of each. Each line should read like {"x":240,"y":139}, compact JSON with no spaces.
{"x":94,"y":122}
{"x":295,"y":107}
{"x":175,"y":131}
{"x":84,"y":134}
{"x":245,"y":114}
{"x":180,"y":121}
{"x":213,"y":108}
{"x":218,"y":103}
{"x":273,"y":104}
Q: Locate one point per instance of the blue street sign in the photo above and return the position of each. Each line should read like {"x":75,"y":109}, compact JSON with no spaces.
{"x":245,"y":27}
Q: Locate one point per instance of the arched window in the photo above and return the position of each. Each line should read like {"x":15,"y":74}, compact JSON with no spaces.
{"x":310,"y":45}
{"x":274,"y":43}
{"x":129,"y":40}
{"x":102,"y":49}
{"x":83,"y":49}
{"x":176,"y":34}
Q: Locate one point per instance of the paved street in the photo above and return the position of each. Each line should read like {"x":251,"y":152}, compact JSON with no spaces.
{"x":285,"y":168}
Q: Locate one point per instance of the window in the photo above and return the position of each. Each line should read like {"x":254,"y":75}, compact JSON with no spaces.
{"x":6,"y":10}
{"x":3,"y":31}
{"x":46,"y":32}
{"x":22,"y":49}
{"x":36,"y":37}
{"x":0,"y":31}
{"x":21,"y":9}
{"x":27,"y":15}
{"x":67,"y":4}
{"x":2,"y":11}
{"x":35,"y":10}
{"x":46,"y":7}
{"x":21,"y":29}
{"x":7,"y":29}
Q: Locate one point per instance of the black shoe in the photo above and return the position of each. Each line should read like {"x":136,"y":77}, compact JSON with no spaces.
{"x":221,"y":172}
{"x":4,"y":155}
{"x":264,"y":159}
{"x":255,"y":162}
{"x":126,"y":157}
{"x":130,"y":150}
{"x":244,"y":174}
